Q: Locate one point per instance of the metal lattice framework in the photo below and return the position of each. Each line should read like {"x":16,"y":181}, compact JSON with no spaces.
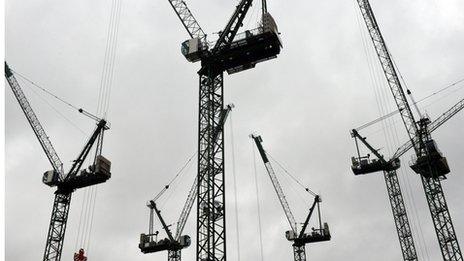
{"x":187,"y":19}
{"x":211,"y":226}
{"x":398,"y":207}
{"x":174,"y":255}
{"x":57,"y":228}
{"x":432,"y":186}
{"x":400,"y":216}
{"x":388,"y":67}
{"x":34,"y":122}
{"x":441,"y":217}
{"x":299,"y":253}
{"x":227,"y":35}
{"x":431,"y":128}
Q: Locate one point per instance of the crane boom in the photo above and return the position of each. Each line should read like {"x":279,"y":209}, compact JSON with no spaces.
{"x":187,"y":19}
{"x":276,"y":184}
{"x":389,"y":70}
{"x":432,"y":127}
{"x":187,"y":208}
{"x":34,"y":122}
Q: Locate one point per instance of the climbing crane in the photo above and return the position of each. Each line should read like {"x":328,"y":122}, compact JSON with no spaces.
{"x":299,"y":239}
{"x":232,"y":52}
{"x":364,"y":165}
{"x":429,"y":163}
{"x":149,"y":243}
{"x":66,"y":183}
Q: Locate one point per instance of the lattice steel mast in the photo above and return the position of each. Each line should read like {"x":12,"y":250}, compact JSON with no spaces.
{"x":430,"y":164}
{"x":175,"y":243}
{"x":231,"y":56}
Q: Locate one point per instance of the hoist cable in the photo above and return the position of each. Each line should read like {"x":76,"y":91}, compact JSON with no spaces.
{"x":258,"y":204}
{"x":441,"y":90}
{"x":45,"y":90}
{"x":290,"y":175}
{"x":237,"y":231}
{"x":91,"y":217}
{"x":89,"y":201}
{"x":57,"y":111}
{"x":179,"y":172}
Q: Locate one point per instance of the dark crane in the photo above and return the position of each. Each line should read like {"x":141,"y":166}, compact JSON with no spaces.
{"x":299,"y":239}
{"x":233,"y":53}
{"x":365,"y":165}
{"x":66,"y":183}
{"x":429,"y":163}
{"x":174,"y":244}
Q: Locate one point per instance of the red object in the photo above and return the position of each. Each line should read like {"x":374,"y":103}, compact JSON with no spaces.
{"x":80,"y":256}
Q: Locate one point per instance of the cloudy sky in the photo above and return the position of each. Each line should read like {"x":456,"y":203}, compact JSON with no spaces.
{"x":325,"y":82}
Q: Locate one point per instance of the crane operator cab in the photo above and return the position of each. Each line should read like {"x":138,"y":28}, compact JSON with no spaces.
{"x":51,"y":178}
{"x":150,"y":244}
{"x":316,"y":235}
{"x":433,"y":164}
{"x":247,"y":49}
{"x":365,"y":165}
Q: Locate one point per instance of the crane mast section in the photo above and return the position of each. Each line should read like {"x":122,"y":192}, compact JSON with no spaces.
{"x":395,"y":195}
{"x":187,"y":19}
{"x":34,"y":122}
{"x":432,"y":127}
{"x":389,"y":70}
{"x":299,"y":253}
{"x":276,"y":184}
{"x":57,"y":228}
{"x":236,"y":21}
{"x":193,"y":192}
{"x":441,"y":217}
{"x":211,"y":224}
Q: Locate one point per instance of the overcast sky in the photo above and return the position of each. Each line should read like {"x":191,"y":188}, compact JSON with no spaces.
{"x":303,"y":104}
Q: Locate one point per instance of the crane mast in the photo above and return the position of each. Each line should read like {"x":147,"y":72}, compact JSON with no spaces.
{"x":176,"y":243}
{"x":430,"y":164}
{"x":231,"y":56}
{"x":395,"y":196}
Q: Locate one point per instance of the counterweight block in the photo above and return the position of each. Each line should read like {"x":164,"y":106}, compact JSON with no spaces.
{"x":149,"y":245}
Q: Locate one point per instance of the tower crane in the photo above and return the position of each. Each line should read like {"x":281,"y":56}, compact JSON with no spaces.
{"x":298,"y":237}
{"x":232,"y":52}
{"x":66,"y":183}
{"x":364,"y":165}
{"x":429,"y":163}
{"x":175,"y":243}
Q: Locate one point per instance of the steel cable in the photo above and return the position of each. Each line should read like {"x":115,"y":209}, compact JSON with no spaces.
{"x":258,"y":204}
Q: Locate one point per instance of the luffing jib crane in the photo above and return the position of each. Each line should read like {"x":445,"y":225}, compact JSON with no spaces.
{"x":364,"y":165}
{"x":149,"y":243}
{"x":233,"y":53}
{"x":429,"y":163}
{"x":299,"y":237}
{"x":66,"y":183}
